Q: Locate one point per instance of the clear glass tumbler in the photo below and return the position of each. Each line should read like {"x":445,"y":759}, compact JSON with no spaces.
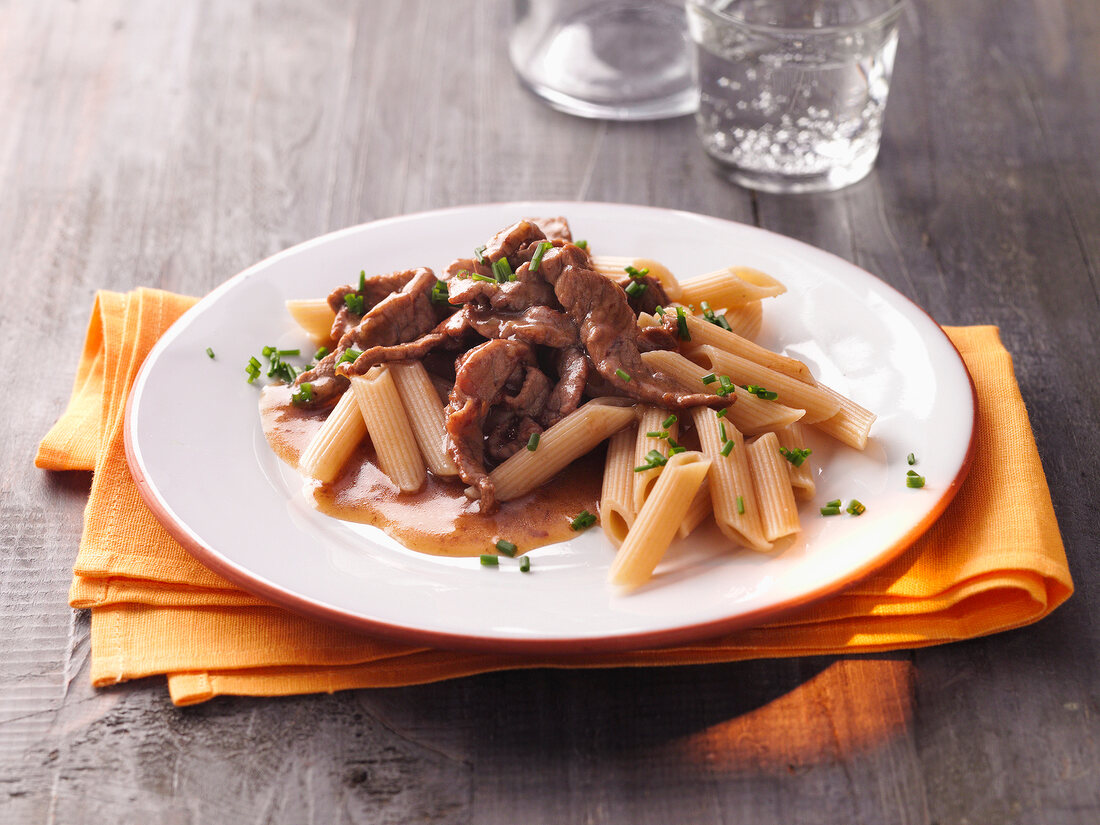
{"x":613,"y":59}
{"x":792,"y":92}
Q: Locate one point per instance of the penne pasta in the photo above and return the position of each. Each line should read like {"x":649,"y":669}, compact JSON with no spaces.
{"x":573,"y":436}
{"x":772,"y":484}
{"x":615,"y":267}
{"x":334,"y":442}
{"x":658,"y":521}
{"x":617,"y":494}
{"x":802,"y":477}
{"x":703,"y":334}
{"x":389,"y":428}
{"x":817,"y":403}
{"x":730,"y":287}
{"x":733,"y":498}
{"x":650,"y":420}
{"x":426,"y":416}
{"x":314,"y":315}
{"x":700,"y":507}
{"x":749,"y":414}
{"x":851,"y":425}
{"x":746,"y":320}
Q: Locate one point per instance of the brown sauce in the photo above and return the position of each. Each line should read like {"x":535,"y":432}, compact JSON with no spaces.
{"x":438,"y":519}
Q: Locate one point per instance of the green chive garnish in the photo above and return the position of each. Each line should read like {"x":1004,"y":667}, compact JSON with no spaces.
{"x":623,"y":375}
{"x":536,"y":259}
{"x":636,"y":274}
{"x":321,"y":353}
{"x":253,"y":369}
{"x":583,"y":520}
{"x":354,"y":303}
{"x":636,"y":288}
{"x":285,"y":353}
{"x":795,"y":456}
{"x":657,"y":434}
{"x":362,"y":280}
{"x":348,"y":355}
{"x":209,"y":353}
{"x":506,"y":547}
{"x":855,"y":507}
{"x":722,"y":430}
{"x":668,"y":422}
{"x":720,"y":413}
{"x":439,"y":293}
{"x":682,"y":325}
{"x":676,"y":449}
{"x":710,"y":378}
{"x":304,"y":393}
{"x":502,"y":269}
{"x":581,"y":244}
{"x":760,"y":392}
{"x":653,"y":460}
{"x":489,"y":560}
{"x":479,"y":254}
{"x":915,"y":481}
{"x":740,"y":505}
{"x":533,"y":442}
{"x":525,"y":565}
{"x":727,"y":448}
{"x":477,"y":276}
{"x":911,"y":459}
{"x":830,"y":510}
{"x":725,"y":386}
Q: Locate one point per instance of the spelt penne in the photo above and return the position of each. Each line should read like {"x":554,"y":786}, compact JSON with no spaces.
{"x":701,"y":506}
{"x":615,"y":267}
{"x":617,"y":493}
{"x":746,"y":320}
{"x":426,"y":415}
{"x":817,"y":403}
{"x":389,"y":428}
{"x":772,"y":484}
{"x":334,"y":442}
{"x":314,"y":315}
{"x":802,"y":477}
{"x":658,"y":521}
{"x":573,"y":436}
{"x":736,"y":511}
{"x":748,"y":413}
{"x":730,"y":287}
{"x":650,"y":420}
{"x":851,"y":425}
{"x":703,"y":334}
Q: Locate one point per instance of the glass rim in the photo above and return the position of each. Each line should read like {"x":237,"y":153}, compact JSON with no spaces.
{"x":894,"y":10}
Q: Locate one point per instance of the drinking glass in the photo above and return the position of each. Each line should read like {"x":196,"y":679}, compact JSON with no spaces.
{"x":613,"y":59}
{"x":792,"y":92}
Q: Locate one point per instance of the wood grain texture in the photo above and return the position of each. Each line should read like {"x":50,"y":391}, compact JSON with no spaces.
{"x":172,"y":144}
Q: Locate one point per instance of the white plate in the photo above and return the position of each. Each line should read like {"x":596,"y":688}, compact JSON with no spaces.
{"x":196,"y":449}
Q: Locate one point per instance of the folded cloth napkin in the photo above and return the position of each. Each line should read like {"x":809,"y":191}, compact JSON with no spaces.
{"x":988,"y":564}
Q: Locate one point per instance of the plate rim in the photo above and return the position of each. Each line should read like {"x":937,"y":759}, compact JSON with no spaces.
{"x":309,"y":607}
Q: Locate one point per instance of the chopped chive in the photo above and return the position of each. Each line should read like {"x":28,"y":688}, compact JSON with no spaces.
{"x":536,"y":259}
{"x":285,"y":353}
{"x":252,"y":369}
{"x":623,"y":375}
{"x":489,"y":560}
{"x":321,"y":353}
{"x":855,"y":507}
{"x":721,"y":413}
{"x":502,"y":269}
{"x":506,"y":547}
{"x":636,"y":274}
{"x":533,"y":442}
{"x":740,"y":505}
{"x":796,"y":456}
{"x":354,"y":303}
{"x":705,"y":306}
{"x":209,"y":353}
{"x":834,"y":503}
{"x":682,"y":325}
{"x":760,"y":392}
{"x":710,"y":378}
{"x":477,"y":276}
{"x":659,"y":310}
{"x":349,"y":354}
{"x":479,"y":254}
{"x":267,"y":352}
{"x":362,"y":280}
{"x":672,"y":442}
{"x":830,"y":510}
{"x":636,"y":288}
{"x":657,"y":434}
{"x":725,"y":386}
{"x":915,"y":481}
{"x":440,"y":294}
{"x":727,"y":448}
{"x":676,"y":449}
{"x":722,"y":430}
{"x":653,"y":460}
{"x":304,"y":394}
{"x":911,"y":459}
{"x":525,"y":565}
{"x":581,"y":244}
{"x":583,"y":520}
{"x":668,"y":422}
{"x":723,"y":323}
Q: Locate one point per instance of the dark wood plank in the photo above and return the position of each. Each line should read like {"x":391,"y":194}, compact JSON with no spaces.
{"x":174,"y":144}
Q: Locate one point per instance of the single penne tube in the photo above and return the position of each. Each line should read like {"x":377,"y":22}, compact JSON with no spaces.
{"x":746,"y":320}
{"x":576,"y":434}
{"x":652,"y":435}
{"x":389,"y":428}
{"x":772,"y":483}
{"x":701,"y":507}
{"x":730,"y":287}
{"x":617,"y":493}
{"x":792,"y":438}
{"x":733,"y":498}
{"x":314,"y":315}
{"x":334,"y":442}
{"x":615,"y":267}
{"x":705,"y":334}
{"x":749,"y":414}
{"x":660,"y":518}
{"x":426,"y":416}
{"x":817,"y":403}
{"x":851,"y":425}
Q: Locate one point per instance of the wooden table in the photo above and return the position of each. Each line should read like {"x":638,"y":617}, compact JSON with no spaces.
{"x":172,"y":144}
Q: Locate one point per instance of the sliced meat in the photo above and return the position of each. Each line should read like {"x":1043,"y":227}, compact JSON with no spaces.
{"x":510,"y":436}
{"x":537,"y":325}
{"x":555,"y":229}
{"x":480,"y":380}
{"x":653,"y":338}
{"x":375,"y":289}
{"x":556,"y":259}
{"x":651,"y":296}
{"x":573,"y":370}
{"x":609,"y":332}
{"x":508,"y":241}
{"x":527,"y":290}
{"x":469,"y":266}
{"x":448,"y":332}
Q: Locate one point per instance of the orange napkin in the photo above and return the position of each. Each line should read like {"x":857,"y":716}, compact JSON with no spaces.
{"x":987,"y":565}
